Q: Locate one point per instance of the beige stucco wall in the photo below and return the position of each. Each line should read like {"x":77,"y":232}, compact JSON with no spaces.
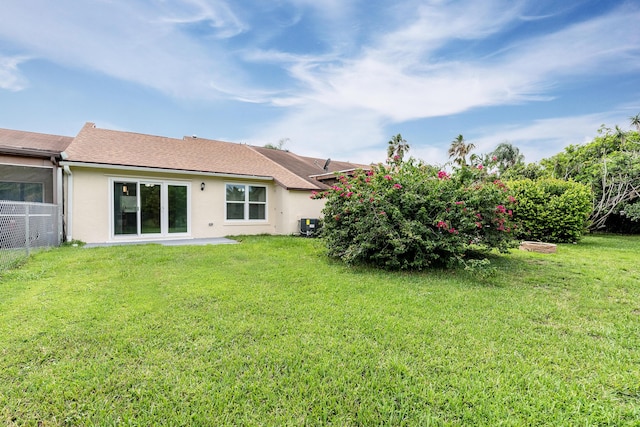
{"x":91,"y":205}
{"x":296,"y":205}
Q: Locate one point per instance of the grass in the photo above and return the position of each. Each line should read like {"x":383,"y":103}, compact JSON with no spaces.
{"x":270,"y":332}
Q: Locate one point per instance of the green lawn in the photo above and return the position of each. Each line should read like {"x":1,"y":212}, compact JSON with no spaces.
{"x":270,"y":332}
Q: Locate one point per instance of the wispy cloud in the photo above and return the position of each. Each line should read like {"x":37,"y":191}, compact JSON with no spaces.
{"x":139,"y":42}
{"x":542,"y":138}
{"x":404,"y":74}
{"x":217,"y":16}
{"x":10,"y":77}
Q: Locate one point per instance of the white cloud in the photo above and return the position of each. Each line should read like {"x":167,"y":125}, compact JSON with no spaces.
{"x":139,"y":42}
{"x":543,"y":138}
{"x":402,"y":77}
{"x":215,"y":14}
{"x":10,"y":77}
{"x":317,"y":131}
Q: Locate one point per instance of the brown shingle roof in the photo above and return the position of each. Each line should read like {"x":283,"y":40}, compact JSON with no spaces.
{"x":110,"y":147}
{"x":32,"y":143}
{"x":307,"y":167}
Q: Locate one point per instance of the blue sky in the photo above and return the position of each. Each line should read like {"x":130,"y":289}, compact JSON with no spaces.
{"x":333,"y":78}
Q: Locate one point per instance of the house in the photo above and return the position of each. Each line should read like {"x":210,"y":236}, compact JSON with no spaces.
{"x":29,"y":166}
{"x":124,"y":186}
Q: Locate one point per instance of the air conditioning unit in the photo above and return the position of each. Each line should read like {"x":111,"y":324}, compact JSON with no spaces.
{"x":309,"y":226}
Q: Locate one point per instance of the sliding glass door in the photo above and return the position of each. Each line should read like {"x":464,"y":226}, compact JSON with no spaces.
{"x":150,"y":208}
{"x":125,"y":208}
{"x":178,"y":212}
{"x":145,"y":208}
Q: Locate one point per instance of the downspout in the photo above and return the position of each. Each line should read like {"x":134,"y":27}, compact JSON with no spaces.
{"x":69,"y":204}
{"x":60,"y":203}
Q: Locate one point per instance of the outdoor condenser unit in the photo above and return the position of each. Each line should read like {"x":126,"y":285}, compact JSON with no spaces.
{"x":309,"y":226}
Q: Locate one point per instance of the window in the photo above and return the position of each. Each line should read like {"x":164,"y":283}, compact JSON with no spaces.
{"x":246,"y":202}
{"x":22,"y":191}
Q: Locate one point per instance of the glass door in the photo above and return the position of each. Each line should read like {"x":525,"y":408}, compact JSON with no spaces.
{"x":178,"y":208}
{"x":145,"y":208}
{"x":125,"y":208}
{"x":150,"y":209}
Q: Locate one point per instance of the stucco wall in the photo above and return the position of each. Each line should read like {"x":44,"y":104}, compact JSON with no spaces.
{"x":297,"y":205}
{"x":92,"y":206}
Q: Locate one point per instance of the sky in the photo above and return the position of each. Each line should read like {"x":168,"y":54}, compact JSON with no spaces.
{"x":327,"y":78}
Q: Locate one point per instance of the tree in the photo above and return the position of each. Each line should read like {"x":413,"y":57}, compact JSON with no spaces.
{"x":279,"y":146}
{"x":620,"y":135}
{"x":397,"y":148}
{"x":610,"y":165}
{"x":635,"y":121}
{"x":507,"y":156}
{"x":459,"y":149}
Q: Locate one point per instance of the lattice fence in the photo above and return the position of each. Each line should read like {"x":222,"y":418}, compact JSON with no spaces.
{"x":25,"y":227}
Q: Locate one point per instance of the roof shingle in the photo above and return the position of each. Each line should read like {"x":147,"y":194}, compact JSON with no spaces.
{"x":32,"y":142}
{"x":103,"y":146}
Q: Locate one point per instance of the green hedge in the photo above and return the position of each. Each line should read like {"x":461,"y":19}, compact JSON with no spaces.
{"x":551,"y":210}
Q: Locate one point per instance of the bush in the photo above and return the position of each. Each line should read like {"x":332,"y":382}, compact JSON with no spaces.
{"x":408,"y":215}
{"x":551,"y":210}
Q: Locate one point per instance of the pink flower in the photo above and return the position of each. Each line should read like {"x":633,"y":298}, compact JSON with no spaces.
{"x":442,"y":224}
{"x":460,"y":203}
{"x":500,"y":209}
{"x":367,"y":179}
{"x":499,"y":184}
{"x":512,"y":199}
{"x":480,"y":167}
{"x":396,"y":157}
{"x":383,"y":213}
{"x":388,"y":177}
{"x":478,"y":224}
{"x":369,"y":173}
{"x":479,"y":216}
{"x":443,"y":175}
{"x":453,"y":231}
{"x":398,"y":186}
{"x":494,"y":158}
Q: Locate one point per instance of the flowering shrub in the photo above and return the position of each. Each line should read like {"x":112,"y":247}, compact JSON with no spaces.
{"x":551,"y":210}
{"x":407,"y":215}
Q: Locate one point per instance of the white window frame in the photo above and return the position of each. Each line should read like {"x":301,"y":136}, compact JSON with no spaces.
{"x":164,"y":218}
{"x":246,"y":202}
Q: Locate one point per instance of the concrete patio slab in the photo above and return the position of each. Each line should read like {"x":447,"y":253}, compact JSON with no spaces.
{"x":168,"y":242}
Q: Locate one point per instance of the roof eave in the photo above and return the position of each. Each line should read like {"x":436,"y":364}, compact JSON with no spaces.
{"x":164,"y":170}
{"x":29,"y":152}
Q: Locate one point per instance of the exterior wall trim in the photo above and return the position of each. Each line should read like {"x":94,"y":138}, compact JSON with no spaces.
{"x":163,"y":170}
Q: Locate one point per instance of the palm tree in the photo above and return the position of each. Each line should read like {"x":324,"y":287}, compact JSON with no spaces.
{"x":507,"y":156}
{"x":459,"y":150}
{"x":397,"y":147}
{"x":620,"y":135}
{"x":635,"y":121}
